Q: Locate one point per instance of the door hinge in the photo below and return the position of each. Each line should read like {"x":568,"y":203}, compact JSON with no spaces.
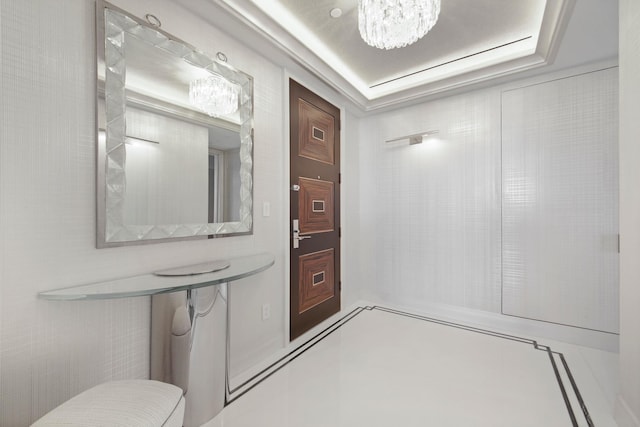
{"x":618,"y":243}
{"x":340,"y":285}
{"x":339,"y":178}
{"x":339,"y":232}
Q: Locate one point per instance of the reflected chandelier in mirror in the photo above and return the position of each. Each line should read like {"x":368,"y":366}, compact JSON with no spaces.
{"x":175,"y":137}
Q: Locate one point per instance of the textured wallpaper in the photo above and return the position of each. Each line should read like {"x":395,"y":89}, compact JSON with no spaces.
{"x":51,"y":351}
{"x":628,"y":406}
{"x":517,"y":193}
{"x":560,"y":201}
{"x":432,"y":210}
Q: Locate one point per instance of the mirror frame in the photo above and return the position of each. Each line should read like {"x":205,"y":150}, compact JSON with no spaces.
{"x":111,"y":151}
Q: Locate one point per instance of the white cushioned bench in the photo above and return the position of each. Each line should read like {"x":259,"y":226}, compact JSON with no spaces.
{"x":128,"y":403}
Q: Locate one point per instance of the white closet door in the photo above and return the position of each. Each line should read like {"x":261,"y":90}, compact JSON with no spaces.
{"x":560,"y":201}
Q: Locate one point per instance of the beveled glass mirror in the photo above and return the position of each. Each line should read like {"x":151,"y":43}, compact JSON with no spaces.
{"x":173,"y":160}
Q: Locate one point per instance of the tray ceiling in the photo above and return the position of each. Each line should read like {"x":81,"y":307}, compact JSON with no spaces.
{"x":472,"y":41}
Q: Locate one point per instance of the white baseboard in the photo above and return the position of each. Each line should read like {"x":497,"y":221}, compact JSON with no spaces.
{"x":623,"y":414}
{"x":503,"y":323}
{"x":247,"y":357}
{"x":242,"y":377}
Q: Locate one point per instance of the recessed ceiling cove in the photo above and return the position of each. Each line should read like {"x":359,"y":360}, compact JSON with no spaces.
{"x":471,"y":42}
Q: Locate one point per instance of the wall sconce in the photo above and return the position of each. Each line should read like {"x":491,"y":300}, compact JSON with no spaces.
{"x":102,"y":135}
{"x":132,"y":140}
{"x":415,"y":138}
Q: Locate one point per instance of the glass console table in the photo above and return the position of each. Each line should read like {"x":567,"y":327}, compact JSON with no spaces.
{"x":189,"y":327}
{"x":151,"y":284}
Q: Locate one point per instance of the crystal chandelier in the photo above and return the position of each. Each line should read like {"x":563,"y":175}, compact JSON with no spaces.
{"x":214,"y":95}
{"x":387,"y":24}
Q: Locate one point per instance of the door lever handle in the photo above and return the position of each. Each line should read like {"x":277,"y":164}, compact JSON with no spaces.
{"x":296,"y":235}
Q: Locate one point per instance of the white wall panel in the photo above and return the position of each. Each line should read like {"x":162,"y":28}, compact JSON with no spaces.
{"x":352,"y":283}
{"x":628,"y":405}
{"x":560,"y":207}
{"x":50,"y":351}
{"x":431,"y":212}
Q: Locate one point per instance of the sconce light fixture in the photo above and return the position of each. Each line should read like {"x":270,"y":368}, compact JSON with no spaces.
{"x":413,"y":139}
{"x":102,"y":135}
{"x":133,"y":140}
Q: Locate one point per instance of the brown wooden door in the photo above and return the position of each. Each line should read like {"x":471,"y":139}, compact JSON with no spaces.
{"x":315,"y":209}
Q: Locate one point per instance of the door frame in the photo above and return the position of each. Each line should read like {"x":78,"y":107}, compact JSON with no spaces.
{"x":331,"y":98}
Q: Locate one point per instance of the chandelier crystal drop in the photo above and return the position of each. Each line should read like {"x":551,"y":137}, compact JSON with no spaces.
{"x":388,"y":24}
{"x":214,"y":95}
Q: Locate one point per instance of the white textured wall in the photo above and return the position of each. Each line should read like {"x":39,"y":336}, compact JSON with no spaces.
{"x":430,"y":213}
{"x":50,"y":351}
{"x":350,"y":216}
{"x":560,"y":201}
{"x":628,"y":409}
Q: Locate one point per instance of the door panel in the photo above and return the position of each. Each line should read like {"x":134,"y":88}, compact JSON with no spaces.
{"x":314,"y":209}
{"x":316,"y":137}
{"x":315,"y":206}
{"x":316,"y":279}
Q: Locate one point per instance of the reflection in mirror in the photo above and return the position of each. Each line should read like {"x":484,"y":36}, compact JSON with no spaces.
{"x":167,"y":169}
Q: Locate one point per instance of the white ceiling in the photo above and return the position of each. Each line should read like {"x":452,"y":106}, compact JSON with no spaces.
{"x":472,"y":42}
{"x":475,"y":26}
{"x":468,"y":35}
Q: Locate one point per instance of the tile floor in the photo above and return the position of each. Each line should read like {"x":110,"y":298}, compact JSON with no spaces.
{"x":380,"y":367}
